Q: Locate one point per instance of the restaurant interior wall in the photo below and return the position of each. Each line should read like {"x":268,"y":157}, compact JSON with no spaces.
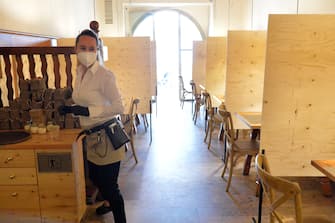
{"x":61,"y":18}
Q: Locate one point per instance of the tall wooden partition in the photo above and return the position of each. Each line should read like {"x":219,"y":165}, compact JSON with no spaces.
{"x":298,"y":122}
{"x":130,"y":59}
{"x":199,"y":62}
{"x":216,"y":65}
{"x":245,"y":72}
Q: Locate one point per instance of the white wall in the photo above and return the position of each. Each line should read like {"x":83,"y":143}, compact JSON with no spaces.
{"x":126,"y":13}
{"x":61,"y":18}
{"x":321,"y":7}
{"x":262,"y":8}
{"x":216,"y":17}
{"x":66,"y":18}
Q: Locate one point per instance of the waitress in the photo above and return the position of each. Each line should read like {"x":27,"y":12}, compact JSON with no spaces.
{"x":97,"y":100}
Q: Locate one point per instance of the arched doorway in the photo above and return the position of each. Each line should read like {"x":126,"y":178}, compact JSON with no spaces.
{"x":174,"y":33}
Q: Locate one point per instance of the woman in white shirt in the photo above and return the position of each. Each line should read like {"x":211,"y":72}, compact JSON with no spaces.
{"x":97,"y":100}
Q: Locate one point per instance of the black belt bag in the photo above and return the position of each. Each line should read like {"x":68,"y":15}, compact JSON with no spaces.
{"x":114,"y":130}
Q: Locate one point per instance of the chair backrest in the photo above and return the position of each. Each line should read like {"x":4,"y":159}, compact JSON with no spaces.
{"x":278,"y":190}
{"x":181,"y":81}
{"x":133,"y":106}
{"x":208,"y":102}
{"x":228,"y":126}
{"x":181,"y":88}
{"x":194,"y":89}
{"x":130,"y":117}
{"x":222,"y":109}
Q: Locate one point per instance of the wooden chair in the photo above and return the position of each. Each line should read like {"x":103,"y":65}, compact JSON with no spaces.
{"x":214,"y":118}
{"x":198,"y":101}
{"x":129,"y":124}
{"x":235,"y":147}
{"x":182,"y":91}
{"x":280,"y":190}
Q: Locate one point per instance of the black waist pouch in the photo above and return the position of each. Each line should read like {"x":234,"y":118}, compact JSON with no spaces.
{"x":114,"y":130}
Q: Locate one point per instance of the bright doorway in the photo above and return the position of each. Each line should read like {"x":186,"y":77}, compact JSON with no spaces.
{"x":174,"y":33}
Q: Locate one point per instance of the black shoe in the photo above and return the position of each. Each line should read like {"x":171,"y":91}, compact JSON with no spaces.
{"x":102,"y":210}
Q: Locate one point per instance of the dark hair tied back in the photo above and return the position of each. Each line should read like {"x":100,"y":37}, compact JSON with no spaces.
{"x":87,"y":32}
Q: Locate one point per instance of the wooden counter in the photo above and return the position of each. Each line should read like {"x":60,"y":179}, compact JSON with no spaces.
{"x":42,"y":179}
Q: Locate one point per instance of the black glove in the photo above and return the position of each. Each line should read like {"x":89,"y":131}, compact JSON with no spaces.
{"x":63,"y":109}
{"x":75,"y":109}
{"x":80,"y":110}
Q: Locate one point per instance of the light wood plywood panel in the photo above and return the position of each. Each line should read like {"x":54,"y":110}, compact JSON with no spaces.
{"x":298,"y":122}
{"x":216,"y":66}
{"x":245,"y":72}
{"x":199,"y":63}
{"x":153,"y":69}
{"x":130,"y":60}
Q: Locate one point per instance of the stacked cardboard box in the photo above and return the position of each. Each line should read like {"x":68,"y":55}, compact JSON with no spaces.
{"x":34,"y":96}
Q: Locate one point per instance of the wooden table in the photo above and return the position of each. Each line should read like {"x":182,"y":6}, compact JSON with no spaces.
{"x":327,"y":167}
{"x":202,"y":87}
{"x":253,"y":121}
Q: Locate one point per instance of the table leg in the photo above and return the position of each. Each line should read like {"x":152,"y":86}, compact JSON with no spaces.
{"x":246,"y":167}
{"x":206,"y":117}
{"x":255,"y":133}
{"x":326,"y":187}
{"x":221,"y":132}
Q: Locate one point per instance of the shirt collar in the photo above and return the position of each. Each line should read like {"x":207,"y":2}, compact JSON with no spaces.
{"x":93,"y":69}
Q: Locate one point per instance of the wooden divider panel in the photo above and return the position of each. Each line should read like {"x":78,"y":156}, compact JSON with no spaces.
{"x":298,"y":121}
{"x":131,"y":61}
{"x":245,"y":72}
{"x":199,"y":63}
{"x":216,"y":65}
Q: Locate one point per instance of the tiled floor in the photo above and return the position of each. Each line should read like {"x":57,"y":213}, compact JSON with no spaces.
{"x":177,"y":179}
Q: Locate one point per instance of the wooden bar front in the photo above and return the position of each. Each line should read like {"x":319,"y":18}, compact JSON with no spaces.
{"x":42,"y":179}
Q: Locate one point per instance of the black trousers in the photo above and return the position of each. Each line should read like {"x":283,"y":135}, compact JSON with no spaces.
{"x":105,"y":178}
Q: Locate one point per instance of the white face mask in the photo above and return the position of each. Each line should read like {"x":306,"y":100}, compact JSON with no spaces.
{"x":87,"y":58}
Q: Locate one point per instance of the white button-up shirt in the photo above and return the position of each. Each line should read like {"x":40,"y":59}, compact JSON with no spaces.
{"x":97,"y":90}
